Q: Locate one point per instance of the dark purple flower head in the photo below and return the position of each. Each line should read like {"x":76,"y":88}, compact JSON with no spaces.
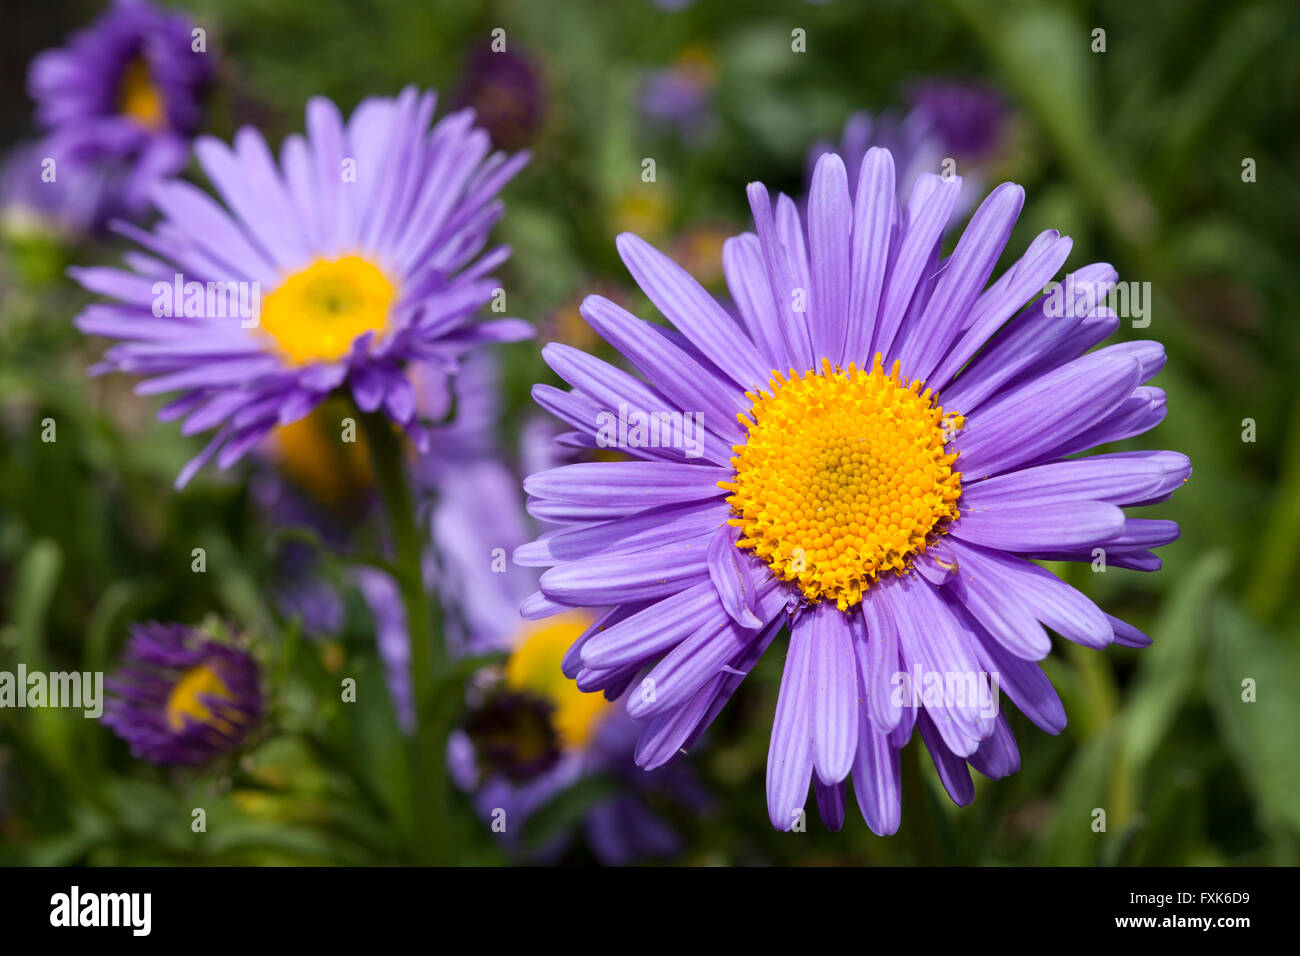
{"x":125,"y":90}
{"x":353,"y":257}
{"x":534,"y":733}
{"x":182,"y":698}
{"x":514,"y":734}
{"x":970,"y":118}
{"x":505,"y":90}
{"x":872,"y":452}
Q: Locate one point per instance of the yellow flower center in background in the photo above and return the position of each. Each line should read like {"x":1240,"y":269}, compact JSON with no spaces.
{"x":139,"y":98}
{"x":843,"y":477}
{"x":316,"y":314}
{"x":184,"y":699}
{"x":311,"y":452}
{"x":535,"y":667}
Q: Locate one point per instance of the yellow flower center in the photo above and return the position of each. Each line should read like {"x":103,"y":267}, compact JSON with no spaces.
{"x":313,"y":453}
{"x":535,"y":667}
{"x":843,"y":477}
{"x":139,"y":98}
{"x":200,"y":681}
{"x":316,"y":314}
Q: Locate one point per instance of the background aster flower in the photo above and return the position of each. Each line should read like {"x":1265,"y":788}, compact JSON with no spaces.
{"x":969,"y":117}
{"x":507,"y":93}
{"x":126,"y":92}
{"x":74,"y":205}
{"x":363,"y":244}
{"x":681,"y":95}
{"x":886,"y":444}
{"x":966,"y":121}
{"x":182,"y":698}
{"x":530,"y":733}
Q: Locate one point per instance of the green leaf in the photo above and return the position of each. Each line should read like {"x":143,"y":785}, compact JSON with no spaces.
{"x":37,"y":577}
{"x":1260,"y":734}
{"x":1070,"y":839}
{"x":1169,"y":667}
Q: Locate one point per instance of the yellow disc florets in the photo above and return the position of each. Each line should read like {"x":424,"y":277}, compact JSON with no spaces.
{"x":140,"y":98}
{"x":843,"y":477}
{"x":316,"y":314}
{"x":186,"y":696}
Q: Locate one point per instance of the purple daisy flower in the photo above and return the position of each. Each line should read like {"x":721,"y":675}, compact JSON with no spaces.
{"x":356,"y":255}
{"x":509,"y":784}
{"x":126,"y":90}
{"x":884,"y":441}
{"x":180,"y":698}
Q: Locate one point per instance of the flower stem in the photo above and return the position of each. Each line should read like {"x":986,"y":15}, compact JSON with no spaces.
{"x":429,"y":791}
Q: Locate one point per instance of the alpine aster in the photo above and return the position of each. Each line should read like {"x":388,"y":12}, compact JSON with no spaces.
{"x":124,"y":95}
{"x":181,"y":698}
{"x":530,"y":732}
{"x":354,"y":256}
{"x":888,"y":442}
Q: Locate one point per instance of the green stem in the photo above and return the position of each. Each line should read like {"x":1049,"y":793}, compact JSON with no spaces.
{"x":430,"y":795}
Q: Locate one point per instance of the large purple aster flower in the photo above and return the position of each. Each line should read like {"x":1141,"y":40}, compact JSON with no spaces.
{"x":127,"y":90}
{"x":181,"y":698}
{"x":356,"y":254}
{"x":872,"y":454}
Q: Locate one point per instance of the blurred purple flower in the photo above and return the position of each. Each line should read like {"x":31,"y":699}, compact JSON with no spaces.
{"x":74,"y":204}
{"x":969,"y":117}
{"x":681,"y":96}
{"x":126,"y":92}
{"x":181,"y":698}
{"x":532,"y":732}
{"x":505,"y":91}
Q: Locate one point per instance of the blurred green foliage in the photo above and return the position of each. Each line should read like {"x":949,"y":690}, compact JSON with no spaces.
{"x":1136,"y":152}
